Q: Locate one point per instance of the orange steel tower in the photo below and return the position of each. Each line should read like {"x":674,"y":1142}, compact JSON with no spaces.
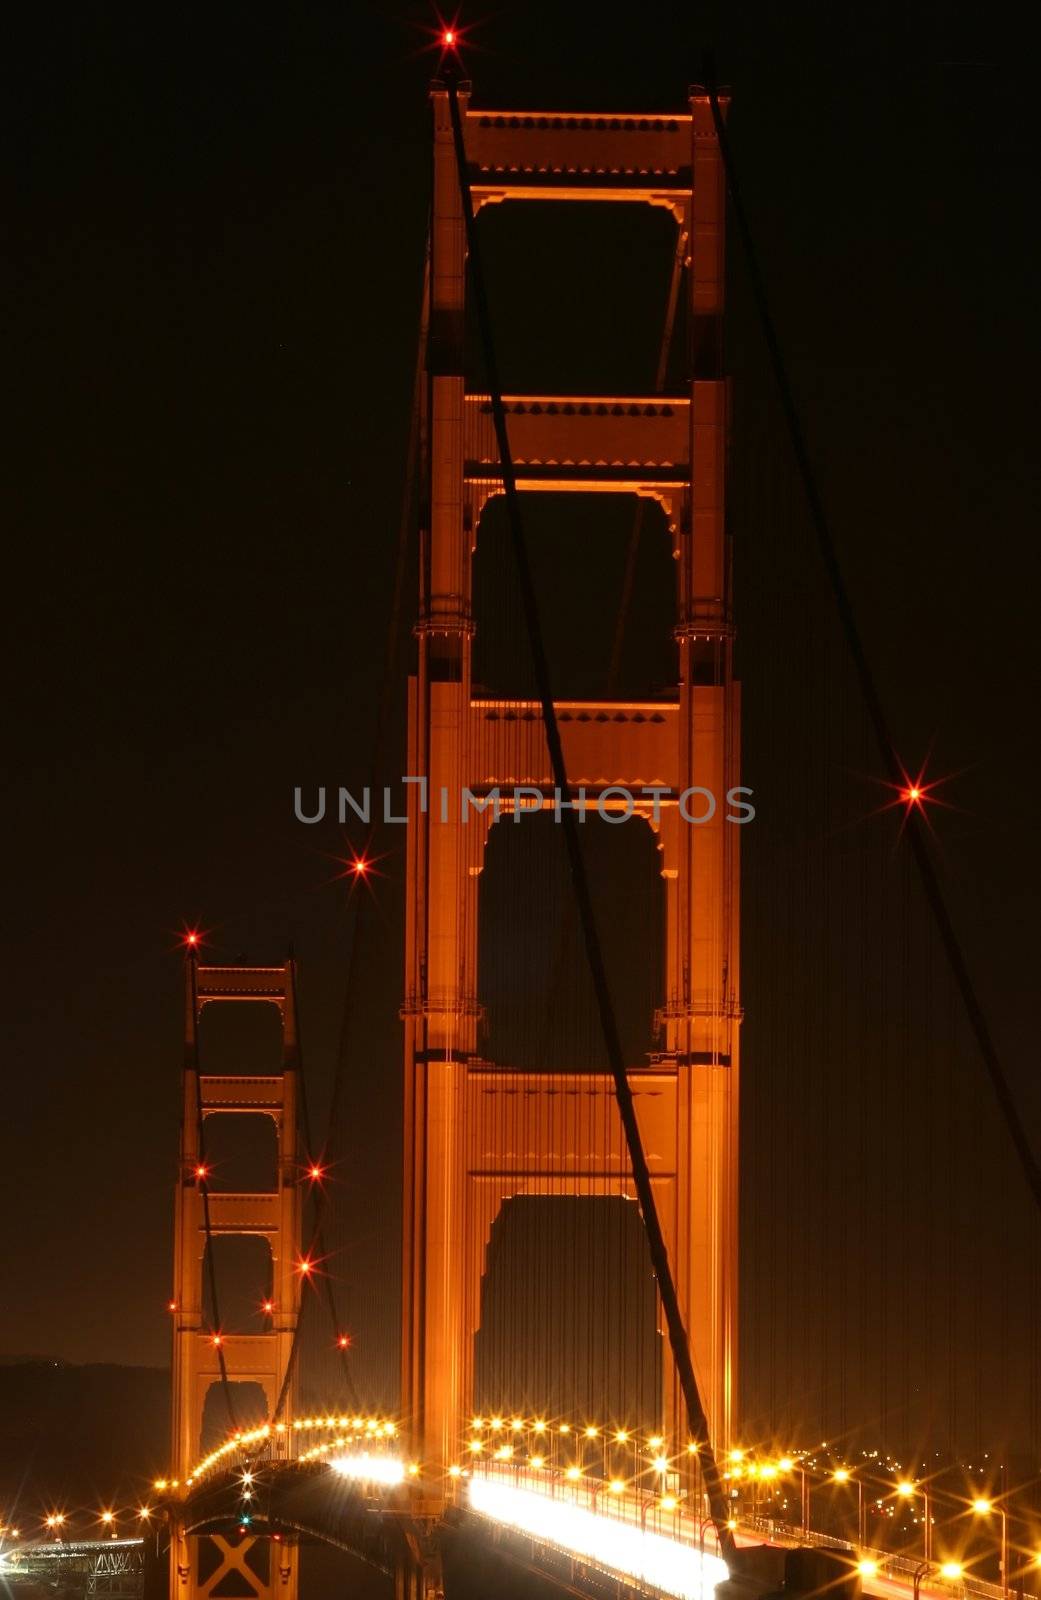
{"x":672,"y":449}
{"x":202,"y":1566}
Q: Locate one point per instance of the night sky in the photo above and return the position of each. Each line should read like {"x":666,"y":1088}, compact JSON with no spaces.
{"x":213,"y":263}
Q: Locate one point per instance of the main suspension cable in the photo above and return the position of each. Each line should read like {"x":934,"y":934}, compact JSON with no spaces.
{"x":866,"y":678}
{"x":697,"y":1419}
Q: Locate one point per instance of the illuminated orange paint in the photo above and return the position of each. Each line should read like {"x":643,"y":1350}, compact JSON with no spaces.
{"x":261,"y":1357}
{"x":686,"y":1104}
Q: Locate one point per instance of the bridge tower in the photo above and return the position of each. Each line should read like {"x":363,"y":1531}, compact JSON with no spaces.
{"x":670,"y":448}
{"x":234,"y":1568}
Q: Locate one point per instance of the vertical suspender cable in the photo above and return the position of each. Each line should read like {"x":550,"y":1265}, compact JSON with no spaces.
{"x":641,"y":1173}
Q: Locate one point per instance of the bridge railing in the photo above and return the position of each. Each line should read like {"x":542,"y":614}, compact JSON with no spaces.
{"x":673,"y":1517}
{"x":892,"y":1568}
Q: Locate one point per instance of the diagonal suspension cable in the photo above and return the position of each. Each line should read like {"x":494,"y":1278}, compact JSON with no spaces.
{"x":696,"y":1417}
{"x":869,"y":689}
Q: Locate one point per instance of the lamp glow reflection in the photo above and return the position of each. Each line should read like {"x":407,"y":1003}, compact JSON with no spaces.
{"x":666,"y":1564}
{"x":370,"y":1469}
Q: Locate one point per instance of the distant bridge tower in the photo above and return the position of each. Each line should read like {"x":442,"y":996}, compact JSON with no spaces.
{"x":233,"y":1568}
{"x":670,"y":448}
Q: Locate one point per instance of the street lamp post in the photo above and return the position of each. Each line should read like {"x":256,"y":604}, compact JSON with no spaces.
{"x":789,"y":1464}
{"x":844,"y":1475}
{"x":907,"y":1491}
{"x":768,"y":1475}
{"x":861,"y":1521}
{"x":983,"y":1507}
{"x":951,"y":1570}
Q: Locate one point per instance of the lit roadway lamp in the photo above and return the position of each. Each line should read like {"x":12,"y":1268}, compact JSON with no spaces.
{"x":694,"y":1463}
{"x":789,"y":1464}
{"x":951,"y":1571}
{"x":844,"y":1475}
{"x":907,"y":1491}
{"x":983,"y":1508}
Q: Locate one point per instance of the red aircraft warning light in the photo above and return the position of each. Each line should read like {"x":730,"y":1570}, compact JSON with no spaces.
{"x":216,"y":1340}
{"x":917,"y":792}
{"x":344,"y":1341}
{"x":202,"y":1170}
{"x":448,"y":38}
{"x":268,"y":1306}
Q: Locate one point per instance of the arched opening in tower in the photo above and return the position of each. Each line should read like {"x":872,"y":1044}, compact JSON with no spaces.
{"x":605,"y":582}
{"x":241,"y":1039}
{"x":242,"y":1269}
{"x":578,"y":294}
{"x":533,"y":977}
{"x":569,"y":1329}
{"x":242,"y":1152}
{"x":248,"y":1408}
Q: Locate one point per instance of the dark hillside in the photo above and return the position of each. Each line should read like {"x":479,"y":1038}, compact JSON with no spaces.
{"x":79,"y":1439}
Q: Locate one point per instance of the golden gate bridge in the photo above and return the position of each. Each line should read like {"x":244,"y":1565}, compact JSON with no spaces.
{"x":656,"y":1489}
